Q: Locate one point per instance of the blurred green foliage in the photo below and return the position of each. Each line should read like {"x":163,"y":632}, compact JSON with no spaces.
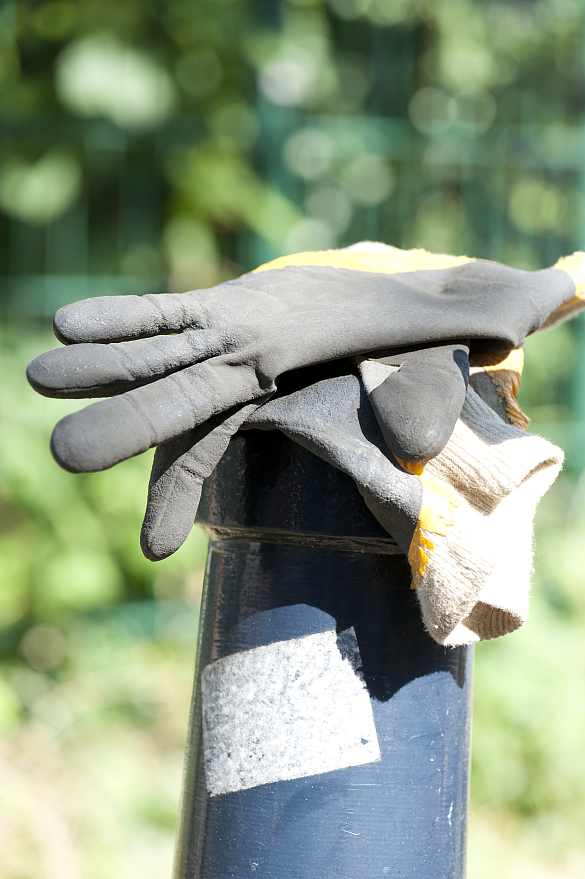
{"x":155,"y":146}
{"x":69,"y":543}
{"x":149,"y":146}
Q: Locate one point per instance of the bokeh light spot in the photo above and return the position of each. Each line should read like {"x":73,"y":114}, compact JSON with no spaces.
{"x":102,"y":76}
{"x":535,"y":206}
{"x":369,"y":179}
{"x":330,"y":202}
{"x":40,"y":192}
{"x":286,"y":80}
{"x":44,"y":647}
{"x":199,"y":72}
{"x":308,"y":153}
{"x":431,"y":111}
{"x":309,"y":234}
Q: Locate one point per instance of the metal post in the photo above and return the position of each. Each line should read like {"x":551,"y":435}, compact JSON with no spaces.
{"x":307,"y":598}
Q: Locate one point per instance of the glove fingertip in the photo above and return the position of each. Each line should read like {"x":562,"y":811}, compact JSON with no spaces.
{"x":86,"y":442}
{"x":167,"y":523}
{"x":160,"y":543}
{"x":37,"y":375}
{"x":69,"y":321}
{"x":69,"y":448}
{"x":156,"y":547}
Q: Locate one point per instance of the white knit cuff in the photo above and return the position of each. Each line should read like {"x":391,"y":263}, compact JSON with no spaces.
{"x":477,"y":580}
{"x":486,"y":459}
{"x":502,"y":602}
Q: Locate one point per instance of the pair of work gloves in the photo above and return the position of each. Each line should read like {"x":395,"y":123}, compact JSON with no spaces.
{"x":417,"y":403}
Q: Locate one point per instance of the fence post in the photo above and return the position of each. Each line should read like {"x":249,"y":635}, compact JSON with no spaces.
{"x":329,"y":735}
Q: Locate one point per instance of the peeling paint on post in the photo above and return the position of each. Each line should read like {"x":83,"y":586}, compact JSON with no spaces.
{"x":329,"y":735}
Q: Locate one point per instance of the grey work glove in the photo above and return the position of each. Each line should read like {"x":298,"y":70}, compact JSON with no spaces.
{"x":193,"y":356}
{"x":197,"y":361}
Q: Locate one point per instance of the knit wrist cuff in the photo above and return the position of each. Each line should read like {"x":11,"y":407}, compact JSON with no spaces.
{"x":477,"y":577}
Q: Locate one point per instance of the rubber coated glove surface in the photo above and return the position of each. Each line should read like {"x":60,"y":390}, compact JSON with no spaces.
{"x":177,"y":361}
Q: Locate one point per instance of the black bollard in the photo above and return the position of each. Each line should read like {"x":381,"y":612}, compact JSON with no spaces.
{"x":329,"y":735}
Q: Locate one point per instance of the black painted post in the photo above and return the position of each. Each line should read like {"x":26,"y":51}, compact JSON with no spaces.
{"x":338,"y":729}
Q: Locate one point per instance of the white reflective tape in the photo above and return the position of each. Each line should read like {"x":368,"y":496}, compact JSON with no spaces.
{"x":288,"y":710}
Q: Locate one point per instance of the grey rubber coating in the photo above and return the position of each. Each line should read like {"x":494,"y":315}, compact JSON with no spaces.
{"x":257,"y":327}
{"x":418,"y":405}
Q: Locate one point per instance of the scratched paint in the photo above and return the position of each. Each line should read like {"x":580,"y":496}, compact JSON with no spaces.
{"x":286,"y":710}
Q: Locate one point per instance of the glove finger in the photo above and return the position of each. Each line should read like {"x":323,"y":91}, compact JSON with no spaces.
{"x":431,"y":297}
{"x":92,"y":370}
{"x":118,"y":318}
{"x":110,"y":431}
{"x":419,"y":403}
{"x":179,"y":468}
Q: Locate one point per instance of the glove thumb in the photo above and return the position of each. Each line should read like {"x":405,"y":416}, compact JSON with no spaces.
{"x":417,"y":397}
